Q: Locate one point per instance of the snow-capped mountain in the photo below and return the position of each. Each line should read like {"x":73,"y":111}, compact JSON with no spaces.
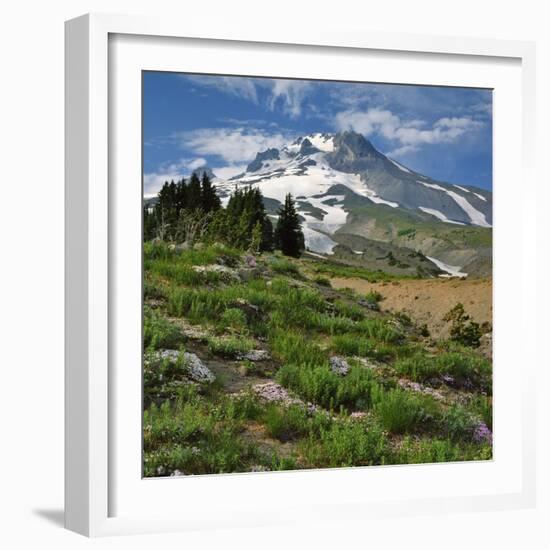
{"x":336,"y":177}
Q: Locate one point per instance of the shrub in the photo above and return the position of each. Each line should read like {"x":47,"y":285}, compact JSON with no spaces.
{"x":196,"y":436}
{"x":419,"y":367}
{"x":401,"y":411}
{"x":482,"y":406}
{"x":458,"y":423}
{"x":322,"y":281}
{"x":346,"y":443}
{"x":463,"y":330}
{"x":380,"y":330}
{"x":373,"y":297}
{"x":421,"y":451}
{"x":159,"y":332}
{"x":349,"y":344}
{"x":285,"y":267}
{"x":233,"y":318}
{"x":332,"y":324}
{"x":292,"y":347}
{"x":467,"y":369}
{"x":320,"y":385}
{"x":231,"y":347}
{"x":287,"y":423}
{"x":352,"y":311}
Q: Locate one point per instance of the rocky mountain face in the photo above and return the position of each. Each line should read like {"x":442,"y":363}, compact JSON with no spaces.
{"x":345,"y":187}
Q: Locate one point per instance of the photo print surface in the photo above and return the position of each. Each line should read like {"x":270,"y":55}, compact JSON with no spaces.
{"x":317,"y":274}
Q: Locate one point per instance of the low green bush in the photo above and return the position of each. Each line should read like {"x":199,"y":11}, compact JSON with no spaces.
{"x":419,"y":367}
{"x":285,"y":267}
{"x":428,"y":450}
{"x":346,"y":443}
{"x":401,"y":411}
{"x":322,"y":386}
{"x":233,"y":318}
{"x":159,"y":332}
{"x":293,"y":422}
{"x":322,"y":281}
{"x":196,"y":436}
{"x":351,"y":344}
{"x":231,"y":346}
{"x":296,"y":348}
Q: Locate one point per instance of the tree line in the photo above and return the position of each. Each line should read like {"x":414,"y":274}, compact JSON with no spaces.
{"x":189,"y":211}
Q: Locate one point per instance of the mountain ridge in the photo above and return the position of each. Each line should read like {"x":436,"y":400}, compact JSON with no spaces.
{"x":343,"y":185}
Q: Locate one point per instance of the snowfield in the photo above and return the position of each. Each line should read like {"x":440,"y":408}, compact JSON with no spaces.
{"x":402,"y":168}
{"x":476,"y":217}
{"x":462,"y":189}
{"x":305,"y":173}
{"x":480,"y":197}
{"x":452,"y":270}
{"x":438,"y":215}
{"x":318,"y":242}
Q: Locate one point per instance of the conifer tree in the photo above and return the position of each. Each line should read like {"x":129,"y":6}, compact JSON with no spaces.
{"x":210,"y":200}
{"x":289,"y":237}
{"x":193,"y":193}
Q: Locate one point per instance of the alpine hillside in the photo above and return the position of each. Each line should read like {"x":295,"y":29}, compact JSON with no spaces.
{"x":364,"y":208}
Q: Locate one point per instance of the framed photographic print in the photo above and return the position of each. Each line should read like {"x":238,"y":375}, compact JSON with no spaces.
{"x":289,"y":279}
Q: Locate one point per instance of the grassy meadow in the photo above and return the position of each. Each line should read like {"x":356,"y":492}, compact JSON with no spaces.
{"x":299,"y":375}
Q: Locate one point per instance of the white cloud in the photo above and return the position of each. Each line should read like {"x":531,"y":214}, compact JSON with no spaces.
{"x":197,"y":163}
{"x":237,"y":86}
{"x":404,"y":150}
{"x":289,"y":95}
{"x":409,"y":135}
{"x":153,"y":181}
{"x":229,"y":171}
{"x":368,"y":122}
{"x":233,"y":145}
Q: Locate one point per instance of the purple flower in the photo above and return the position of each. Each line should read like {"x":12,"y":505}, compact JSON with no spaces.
{"x":482,"y":433}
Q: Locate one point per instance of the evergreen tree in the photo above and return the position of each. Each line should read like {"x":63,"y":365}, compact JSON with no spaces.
{"x":166,"y":211}
{"x":193,"y":193}
{"x":210,"y":200}
{"x":181,"y":195}
{"x":149,"y":223}
{"x":288,"y":233}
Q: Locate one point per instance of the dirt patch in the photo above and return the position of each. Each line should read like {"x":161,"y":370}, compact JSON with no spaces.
{"x":428,"y":300}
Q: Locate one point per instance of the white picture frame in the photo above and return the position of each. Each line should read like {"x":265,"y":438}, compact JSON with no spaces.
{"x":100,"y":498}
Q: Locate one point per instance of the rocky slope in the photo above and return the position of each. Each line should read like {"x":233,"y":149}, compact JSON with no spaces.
{"x":345,"y":187}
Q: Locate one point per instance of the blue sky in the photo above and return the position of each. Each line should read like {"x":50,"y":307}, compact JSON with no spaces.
{"x":223,"y":121}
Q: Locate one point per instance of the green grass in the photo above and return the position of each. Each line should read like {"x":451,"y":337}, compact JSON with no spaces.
{"x":233,"y":318}
{"x":332,"y":269}
{"x":347,"y":443}
{"x":301,"y":322}
{"x":198,"y":437}
{"x":230,"y":347}
{"x":464,"y":367}
{"x":318,"y":384}
{"x":205,"y":256}
{"x":285,"y":267}
{"x":323,"y":281}
{"x":419,"y":367}
{"x":401,"y":411}
{"x":430,"y":450}
{"x":380,"y":330}
{"x":351,"y":345}
{"x":293,"y":422}
{"x":296,"y":348}
{"x":349,"y":309}
{"x":158,"y":332}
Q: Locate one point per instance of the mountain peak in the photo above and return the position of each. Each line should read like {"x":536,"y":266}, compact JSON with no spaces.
{"x":204,"y":170}
{"x":356,"y":143}
{"x":257,"y":163}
